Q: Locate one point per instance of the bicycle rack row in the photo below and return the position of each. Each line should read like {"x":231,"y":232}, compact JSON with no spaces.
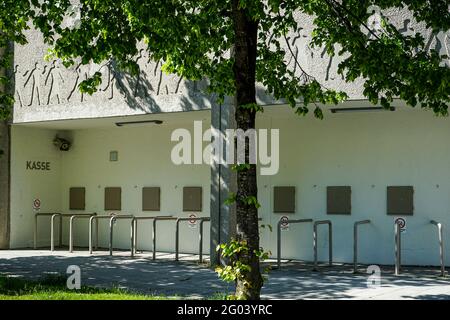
{"x":397,"y":236}
{"x":93,"y":217}
{"x":134,"y":223}
{"x":54,"y":215}
{"x":134,"y":228}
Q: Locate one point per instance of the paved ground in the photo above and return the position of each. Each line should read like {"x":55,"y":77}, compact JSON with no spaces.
{"x":188,"y":278}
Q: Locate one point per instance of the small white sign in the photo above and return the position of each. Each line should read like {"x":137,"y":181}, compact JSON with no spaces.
{"x":284,"y":223}
{"x":402,"y":222}
{"x":192,"y":223}
{"x":36,"y":204}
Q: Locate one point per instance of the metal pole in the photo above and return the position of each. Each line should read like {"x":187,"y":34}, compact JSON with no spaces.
{"x":177,"y":238}
{"x":60,"y":230}
{"x":355,"y":247}
{"x":355,"y":243}
{"x":330,"y":244}
{"x":71,"y":234}
{"x":397,"y":248}
{"x":441,"y":250}
{"x":96,"y":234}
{"x":91,"y":220}
{"x":279,"y":244}
{"x":154,"y":239}
{"x":52,"y":232}
{"x":441,"y":246}
{"x":111,"y":227}
{"x":135,"y":236}
{"x":132,"y":236}
{"x":200,"y":241}
{"x":315,"y":246}
{"x":35,"y":230}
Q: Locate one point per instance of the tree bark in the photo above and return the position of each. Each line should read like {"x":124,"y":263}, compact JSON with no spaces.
{"x":245,"y":50}
{"x":4,"y":172}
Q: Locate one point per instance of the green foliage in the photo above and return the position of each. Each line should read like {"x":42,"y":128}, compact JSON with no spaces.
{"x":249,"y":200}
{"x":195,"y":38}
{"x":235,"y":268}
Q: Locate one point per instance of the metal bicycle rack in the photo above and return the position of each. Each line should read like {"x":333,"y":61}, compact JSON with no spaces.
{"x":72,"y":218}
{"x":154,"y":232}
{"x":398,"y":247}
{"x":111,"y":229}
{"x":330,"y":241}
{"x":52,"y":215}
{"x":279,"y":236}
{"x":200,"y":235}
{"x":91,"y":231}
{"x":134,"y":229}
{"x":441,"y":246}
{"x":355,"y":243}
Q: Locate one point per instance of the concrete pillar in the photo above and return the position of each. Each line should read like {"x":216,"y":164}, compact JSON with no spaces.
{"x":223,"y":181}
{"x":4,"y":176}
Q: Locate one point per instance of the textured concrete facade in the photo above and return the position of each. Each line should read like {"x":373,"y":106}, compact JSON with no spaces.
{"x":48,"y":91}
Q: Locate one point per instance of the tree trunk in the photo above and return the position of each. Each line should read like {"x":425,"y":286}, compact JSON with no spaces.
{"x":4,"y":171}
{"x":245,"y":49}
{"x":4,"y":184}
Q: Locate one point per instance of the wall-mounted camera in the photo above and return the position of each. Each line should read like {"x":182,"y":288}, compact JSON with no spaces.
{"x":62,"y":144}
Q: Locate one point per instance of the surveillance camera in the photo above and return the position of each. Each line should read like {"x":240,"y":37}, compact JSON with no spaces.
{"x":62,"y":144}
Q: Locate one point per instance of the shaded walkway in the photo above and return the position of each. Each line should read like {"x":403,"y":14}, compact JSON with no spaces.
{"x":188,"y":278}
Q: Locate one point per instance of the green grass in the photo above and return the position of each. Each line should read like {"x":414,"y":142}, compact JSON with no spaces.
{"x":54,"y":288}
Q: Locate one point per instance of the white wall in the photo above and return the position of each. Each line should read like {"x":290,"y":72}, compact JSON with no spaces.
{"x":367,"y":151}
{"x":29,"y":144}
{"x":144,"y":160}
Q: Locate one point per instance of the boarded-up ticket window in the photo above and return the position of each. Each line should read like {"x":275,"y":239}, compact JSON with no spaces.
{"x":192,"y":199}
{"x":400,"y":200}
{"x":77,"y":198}
{"x":339,"y":200}
{"x":113,"y":198}
{"x":151,"y":199}
{"x":284,"y":199}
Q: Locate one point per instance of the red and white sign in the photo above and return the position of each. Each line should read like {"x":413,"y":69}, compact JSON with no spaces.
{"x":402,"y":223}
{"x":36,"y":204}
{"x":284,"y":223}
{"x":192,"y":223}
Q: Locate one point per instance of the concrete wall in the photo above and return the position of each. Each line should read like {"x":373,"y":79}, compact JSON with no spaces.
{"x":144,"y":160}
{"x":30,"y":144}
{"x":367,"y":151}
{"x":48,"y":91}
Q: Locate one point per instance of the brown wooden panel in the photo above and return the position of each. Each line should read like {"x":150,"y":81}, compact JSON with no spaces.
{"x":400,"y":200}
{"x":113,"y":198}
{"x":192,"y":199}
{"x":151,"y":199}
{"x":339,"y":200}
{"x":77,"y":198}
{"x":284,"y":199}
